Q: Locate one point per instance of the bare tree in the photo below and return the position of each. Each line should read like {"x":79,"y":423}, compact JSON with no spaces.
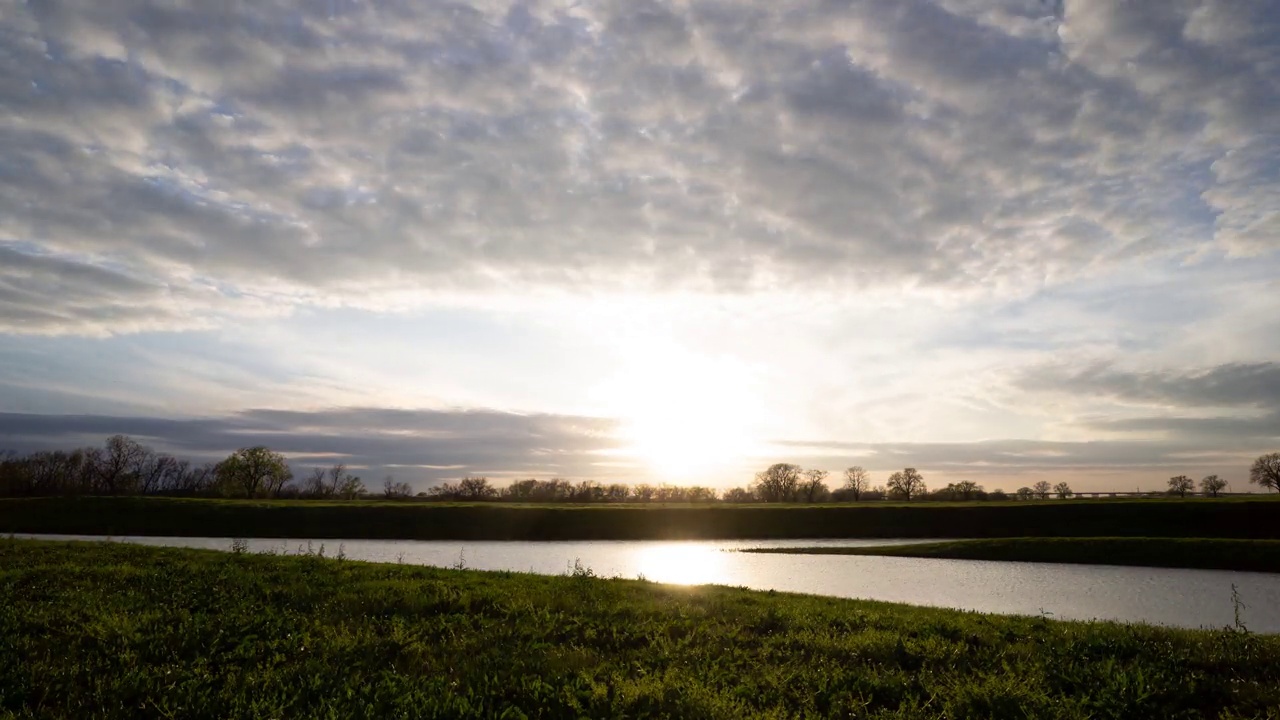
{"x":1042,"y":489}
{"x":907,"y":483}
{"x":393,"y":490}
{"x":315,"y":485}
{"x":778,"y":483}
{"x":1025,"y":493}
{"x":52,"y":473}
{"x":335,"y":478}
{"x":738,"y":495}
{"x":116,"y":466}
{"x":1063,"y":490}
{"x":813,"y":488}
{"x":1211,"y":485}
{"x":856,"y":482}
{"x":1181,"y":485}
{"x":592,"y":491}
{"x":199,"y":480}
{"x":965,"y":490}
{"x":1266,"y":471}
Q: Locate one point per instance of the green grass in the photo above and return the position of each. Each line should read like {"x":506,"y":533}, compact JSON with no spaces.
{"x":115,"y":630}
{"x":1229,"y":518}
{"x":1202,"y":553}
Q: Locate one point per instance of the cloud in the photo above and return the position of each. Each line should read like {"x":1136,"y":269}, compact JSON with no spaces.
{"x":1216,"y":429}
{"x":418,"y":445}
{"x":197,"y":160}
{"x":1225,"y":404}
{"x":1230,"y":385}
{"x":428,"y":446}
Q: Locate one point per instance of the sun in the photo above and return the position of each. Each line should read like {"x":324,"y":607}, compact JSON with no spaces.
{"x":686,"y":416}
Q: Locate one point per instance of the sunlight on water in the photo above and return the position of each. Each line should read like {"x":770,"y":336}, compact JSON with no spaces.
{"x":1183,"y":598}
{"x":683,"y":564}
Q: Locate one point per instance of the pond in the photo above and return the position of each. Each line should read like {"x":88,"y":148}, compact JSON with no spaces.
{"x":1182,"y":598}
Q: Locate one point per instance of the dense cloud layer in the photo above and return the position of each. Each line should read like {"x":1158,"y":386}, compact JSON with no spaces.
{"x":1233,"y":385}
{"x":169,"y":163}
{"x":411,"y":444}
{"x":427,"y":446}
{"x":1235,"y":402}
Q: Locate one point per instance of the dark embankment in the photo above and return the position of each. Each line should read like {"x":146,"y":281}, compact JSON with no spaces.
{"x":123,"y":631}
{"x":431,"y":521}
{"x":1200,"y":553}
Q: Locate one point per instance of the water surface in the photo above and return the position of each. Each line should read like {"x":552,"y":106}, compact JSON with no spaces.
{"x":1182,"y":598}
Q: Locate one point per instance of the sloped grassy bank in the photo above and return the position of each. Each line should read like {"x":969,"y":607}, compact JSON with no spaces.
{"x":114,"y":630}
{"x":1200,"y":553}
{"x":1224,"y":518}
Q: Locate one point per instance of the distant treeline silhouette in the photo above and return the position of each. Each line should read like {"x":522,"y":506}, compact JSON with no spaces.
{"x":123,"y":466}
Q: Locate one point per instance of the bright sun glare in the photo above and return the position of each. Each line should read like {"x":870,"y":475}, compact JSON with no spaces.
{"x":682,"y":564}
{"x":686,"y":416}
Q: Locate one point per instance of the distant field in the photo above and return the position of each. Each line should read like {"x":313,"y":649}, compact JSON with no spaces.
{"x":124,"y":631}
{"x":1235,"y":518}
{"x":1202,"y":553}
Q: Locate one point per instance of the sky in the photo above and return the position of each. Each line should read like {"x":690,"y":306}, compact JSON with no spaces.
{"x":647,"y":241}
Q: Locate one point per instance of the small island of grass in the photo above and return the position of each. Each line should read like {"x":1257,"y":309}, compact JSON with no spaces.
{"x":1197,"y":553}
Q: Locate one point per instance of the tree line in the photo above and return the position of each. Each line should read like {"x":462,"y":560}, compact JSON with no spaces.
{"x":123,"y":466}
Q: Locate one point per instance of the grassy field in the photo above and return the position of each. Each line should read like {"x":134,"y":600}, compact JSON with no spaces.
{"x":1203,"y":553}
{"x":115,"y":630}
{"x":1227,"y":518}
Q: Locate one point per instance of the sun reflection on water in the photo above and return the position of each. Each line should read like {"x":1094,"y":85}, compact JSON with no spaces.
{"x":682,"y":564}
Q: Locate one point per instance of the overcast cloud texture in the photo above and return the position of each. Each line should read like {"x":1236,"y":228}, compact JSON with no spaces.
{"x":991,"y":239}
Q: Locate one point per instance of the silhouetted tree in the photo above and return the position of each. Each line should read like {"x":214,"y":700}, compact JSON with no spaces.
{"x":1181,"y":485}
{"x":154,"y":472}
{"x":47,"y":473}
{"x":1211,"y":485}
{"x":699,"y":494}
{"x":521,"y":490}
{"x":813,"y":486}
{"x":393,"y":490}
{"x":254,"y":471}
{"x":476,"y":488}
{"x":1266,"y":471}
{"x":778,"y":483}
{"x":1042,"y":489}
{"x":906,"y":484}
{"x":118,"y":465}
{"x":588,"y":491}
{"x":351,"y":487}
{"x":1025,"y":493}
{"x":315,"y":485}
{"x":195,"y":480}
{"x":1062,"y":490}
{"x":738,"y":495}
{"x":998,"y":495}
{"x":856,"y":482}
{"x":335,"y":481}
